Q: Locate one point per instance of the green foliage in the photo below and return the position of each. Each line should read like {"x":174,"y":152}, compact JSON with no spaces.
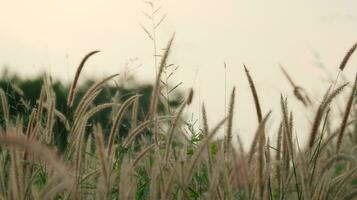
{"x":23,"y":95}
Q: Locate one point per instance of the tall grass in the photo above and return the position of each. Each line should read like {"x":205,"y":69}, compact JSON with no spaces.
{"x":158,"y":160}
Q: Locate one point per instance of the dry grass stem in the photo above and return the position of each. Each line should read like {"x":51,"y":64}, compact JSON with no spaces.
{"x":346,"y":115}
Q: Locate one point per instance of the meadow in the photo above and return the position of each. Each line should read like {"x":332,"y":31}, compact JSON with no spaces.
{"x":162,"y":156}
{"x":100,"y":140}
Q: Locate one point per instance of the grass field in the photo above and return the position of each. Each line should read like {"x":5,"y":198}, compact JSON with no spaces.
{"x":165,"y":157}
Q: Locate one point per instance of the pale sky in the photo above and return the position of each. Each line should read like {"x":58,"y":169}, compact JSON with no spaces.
{"x":52,"y":36}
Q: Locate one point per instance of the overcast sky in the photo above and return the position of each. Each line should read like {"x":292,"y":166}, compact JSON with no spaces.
{"x":52,"y":36}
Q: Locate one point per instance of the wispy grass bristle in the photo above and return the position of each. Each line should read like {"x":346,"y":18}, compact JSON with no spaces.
{"x":116,"y":122}
{"x":76,"y":77}
{"x":254,"y":94}
{"x":105,"y":178}
{"x":205,"y":120}
{"x":89,"y":96}
{"x":347,"y":57}
{"x":4,"y":105}
{"x":346,"y":115}
{"x":319,"y":114}
{"x":229,"y":130}
{"x":131,"y":136}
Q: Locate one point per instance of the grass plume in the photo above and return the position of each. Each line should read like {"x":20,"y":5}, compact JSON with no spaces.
{"x":76,"y":77}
